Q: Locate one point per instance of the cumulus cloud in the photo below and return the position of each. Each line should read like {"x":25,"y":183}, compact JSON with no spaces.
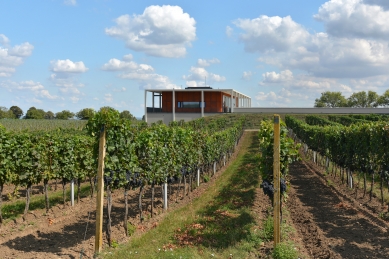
{"x":12,"y":57}
{"x":144,"y":74}
{"x":67,"y":66}
{"x":271,"y":33}
{"x":198,"y":75}
{"x":164,"y":31}
{"x":355,"y":18}
{"x":36,"y":88}
{"x":64,"y":76}
{"x":207,"y":63}
{"x":247,"y":75}
{"x":360,"y":52}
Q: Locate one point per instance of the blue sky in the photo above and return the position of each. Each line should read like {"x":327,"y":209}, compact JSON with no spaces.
{"x":71,"y":54}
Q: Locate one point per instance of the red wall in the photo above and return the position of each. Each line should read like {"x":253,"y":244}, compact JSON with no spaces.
{"x":213,"y":101}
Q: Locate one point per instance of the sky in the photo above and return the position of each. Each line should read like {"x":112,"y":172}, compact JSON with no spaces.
{"x":72,"y":54}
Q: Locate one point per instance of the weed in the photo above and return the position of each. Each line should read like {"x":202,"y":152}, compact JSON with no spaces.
{"x":114,"y":244}
{"x":285,"y":250}
{"x":130,"y":229}
{"x":268,"y":229}
{"x":206,"y":178}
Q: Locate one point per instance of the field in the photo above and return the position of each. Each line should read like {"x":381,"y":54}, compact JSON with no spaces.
{"x":227,"y":216}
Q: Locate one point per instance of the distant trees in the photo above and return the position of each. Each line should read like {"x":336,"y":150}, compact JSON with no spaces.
{"x":127,"y":115}
{"x":85,"y":114}
{"x":5,"y":113}
{"x":358,"y":100}
{"x":16,"y":111}
{"x":64,"y":115}
{"x":34,"y":113}
{"x":331,"y":99}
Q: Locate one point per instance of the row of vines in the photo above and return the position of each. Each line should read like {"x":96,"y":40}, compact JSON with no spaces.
{"x":359,"y":147}
{"x":136,"y":156}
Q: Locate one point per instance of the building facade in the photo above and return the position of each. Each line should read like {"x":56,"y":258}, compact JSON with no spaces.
{"x":192,"y":103}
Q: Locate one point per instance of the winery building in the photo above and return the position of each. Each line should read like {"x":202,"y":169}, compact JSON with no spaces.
{"x":191,"y":103}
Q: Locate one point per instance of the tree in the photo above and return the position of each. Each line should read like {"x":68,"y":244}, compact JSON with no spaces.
{"x":127,"y":115}
{"x":5,"y":113}
{"x":64,"y":115}
{"x":16,"y":111}
{"x":372,"y":99}
{"x":383,"y":100}
{"x":363,"y":99}
{"x":49,"y":115}
{"x":331,"y":99}
{"x":85,"y":114}
{"x":34,"y":113}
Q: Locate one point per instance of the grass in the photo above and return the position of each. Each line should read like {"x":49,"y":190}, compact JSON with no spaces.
{"x":14,"y":209}
{"x":218,"y":224}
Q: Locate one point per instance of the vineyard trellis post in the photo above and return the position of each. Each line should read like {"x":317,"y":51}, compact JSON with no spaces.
{"x":276,"y":177}
{"x":100,"y":193}
{"x":72,"y":192}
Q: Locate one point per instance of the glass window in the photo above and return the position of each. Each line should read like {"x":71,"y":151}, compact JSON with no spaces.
{"x":191,"y":104}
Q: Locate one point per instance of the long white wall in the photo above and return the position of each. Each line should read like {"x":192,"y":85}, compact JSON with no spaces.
{"x":342,"y":110}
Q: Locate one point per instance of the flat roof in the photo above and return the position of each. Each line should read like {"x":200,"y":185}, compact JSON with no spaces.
{"x":226,"y":91}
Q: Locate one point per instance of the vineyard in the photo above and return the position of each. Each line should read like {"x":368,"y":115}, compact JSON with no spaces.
{"x":149,"y":170}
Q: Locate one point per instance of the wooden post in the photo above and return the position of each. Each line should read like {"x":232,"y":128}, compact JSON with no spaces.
{"x":100,"y":193}
{"x":72,"y":192}
{"x":276,"y":180}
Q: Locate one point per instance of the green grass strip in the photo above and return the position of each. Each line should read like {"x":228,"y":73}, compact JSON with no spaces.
{"x":219,"y":224}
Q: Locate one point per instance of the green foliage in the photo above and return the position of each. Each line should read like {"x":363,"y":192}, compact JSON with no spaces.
{"x":285,"y":250}
{"x":320,"y":121}
{"x":34,"y":113}
{"x":288,"y":149}
{"x":130,"y":229}
{"x":6,"y":114}
{"x":331,"y":99}
{"x":16,"y":111}
{"x":85,"y":114}
{"x":359,"y":147}
{"x":127,"y":115}
{"x":64,"y":115}
{"x":363,"y":99}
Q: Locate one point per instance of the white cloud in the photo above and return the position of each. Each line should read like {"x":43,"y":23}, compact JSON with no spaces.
{"x":4,"y":40}
{"x":118,"y":65}
{"x":273,"y":77}
{"x":28,"y":86}
{"x":229,"y":31}
{"x":283,"y":43}
{"x":354,"y":18}
{"x":142,"y":73}
{"x":11,"y":57}
{"x":206,"y":63}
{"x":271,"y":33}
{"x":247,"y":75}
{"x":70,"y":2}
{"x":68,"y":66}
{"x":164,"y":31}
{"x":198,"y":75}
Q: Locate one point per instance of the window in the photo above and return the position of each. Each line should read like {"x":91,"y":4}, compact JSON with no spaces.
{"x":190,"y":104}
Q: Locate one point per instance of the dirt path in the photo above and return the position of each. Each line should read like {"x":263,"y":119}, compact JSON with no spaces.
{"x":330,"y":223}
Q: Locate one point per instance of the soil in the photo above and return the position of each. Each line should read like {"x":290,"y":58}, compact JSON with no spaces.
{"x":331,"y":221}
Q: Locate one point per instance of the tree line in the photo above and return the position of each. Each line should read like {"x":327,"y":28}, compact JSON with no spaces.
{"x":15,"y":112}
{"x":361,"y":99}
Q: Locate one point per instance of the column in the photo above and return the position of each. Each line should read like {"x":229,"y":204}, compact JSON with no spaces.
{"x":174,"y":105}
{"x":232,"y":97}
{"x":145,"y":106}
{"x":202,"y":104}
